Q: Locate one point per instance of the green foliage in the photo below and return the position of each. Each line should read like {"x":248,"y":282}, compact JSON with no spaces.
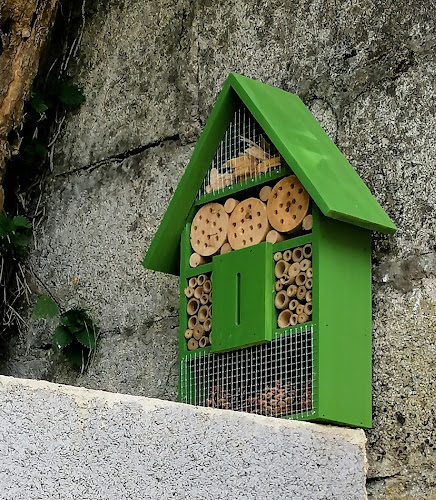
{"x":37,"y":102}
{"x":63,"y":91}
{"x":45,"y":307}
{"x":75,"y":335}
{"x":14,"y":235}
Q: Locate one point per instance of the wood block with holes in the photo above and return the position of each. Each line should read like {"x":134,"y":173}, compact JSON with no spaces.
{"x":209,"y":229}
{"x":287,"y":204}
{"x":248,"y":224}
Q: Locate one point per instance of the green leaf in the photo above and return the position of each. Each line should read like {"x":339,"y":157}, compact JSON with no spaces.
{"x":45,"y":307}
{"x":61,"y":337}
{"x":20,"y":221}
{"x":87,"y":338}
{"x":5,"y":225}
{"x":37,"y":102}
{"x":65,"y":91}
{"x":21,"y":240}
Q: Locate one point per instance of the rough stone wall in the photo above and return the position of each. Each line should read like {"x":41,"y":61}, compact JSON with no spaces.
{"x":67,"y":442}
{"x":151,"y":72}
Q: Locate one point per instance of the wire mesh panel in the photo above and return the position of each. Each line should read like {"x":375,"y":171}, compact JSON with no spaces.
{"x":244,"y":153}
{"x":275,"y":378}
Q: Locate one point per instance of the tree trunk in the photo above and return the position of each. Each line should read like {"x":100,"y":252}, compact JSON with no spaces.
{"x":24,"y":26}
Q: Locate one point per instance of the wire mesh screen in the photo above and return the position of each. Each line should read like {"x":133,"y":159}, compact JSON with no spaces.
{"x":274,"y":379}
{"x":244,"y":153}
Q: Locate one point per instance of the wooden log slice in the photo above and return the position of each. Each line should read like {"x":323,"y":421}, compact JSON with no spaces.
{"x":248,"y":224}
{"x":287,"y":204}
{"x":209,"y":229}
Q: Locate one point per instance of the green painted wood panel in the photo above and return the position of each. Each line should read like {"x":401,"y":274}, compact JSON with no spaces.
{"x":342,"y":291}
{"x":242,"y":300}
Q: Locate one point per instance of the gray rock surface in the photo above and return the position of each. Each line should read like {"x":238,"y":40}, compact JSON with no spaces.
{"x":152,"y":71}
{"x":66,"y":442}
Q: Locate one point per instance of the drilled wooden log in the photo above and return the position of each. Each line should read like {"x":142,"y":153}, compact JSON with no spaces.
{"x":209,"y":229}
{"x":230,"y":205}
{"x":265,"y":193}
{"x":197,"y":260}
{"x":274,"y":236}
{"x":248,"y":224}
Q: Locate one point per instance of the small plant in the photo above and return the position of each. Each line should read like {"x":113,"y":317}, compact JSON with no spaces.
{"x":14,"y":236}
{"x":75,"y":335}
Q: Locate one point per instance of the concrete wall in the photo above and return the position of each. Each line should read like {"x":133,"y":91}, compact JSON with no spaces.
{"x":151,"y":72}
{"x":66,"y":442}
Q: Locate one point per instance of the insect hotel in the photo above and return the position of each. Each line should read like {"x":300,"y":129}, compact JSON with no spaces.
{"x":270,"y":232}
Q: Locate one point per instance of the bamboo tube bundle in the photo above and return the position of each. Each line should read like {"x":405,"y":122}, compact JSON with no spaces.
{"x":309,"y":296}
{"x":189,"y":292}
{"x":287,"y":255}
{"x":193,"y":306}
{"x":278,"y":286}
{"x":308,"y":308}
{"x":207,"y":324}
{"x":198,"y":331}
{"x":198,"y":292}
{"x":203,"y":313}
{"x":299,"y":309}
{"x":204,"y":299}
{"x":309,"y":283}
{"x":192,"y":282}
{"x":203,"y":341}
{"x":294,"y":269}
{"x":278,"y":256}
{"x":287,"y":280}
{"x":281,"y":268}
{"x":192,"y":344}
{"x":303,"y":318}
{"x":305,"y":264}
{"x":288,"y":204}
{"x":309,"y":272}
{"x":209,"y":229}
{"x":292,"y":290}
{"x":293,"y":304}
{"x":300,"y":279}
{"x":294,"y":319}
{"x":201,"y":278}
{"x":207,"y":286}
{"x":284,"y":318}
{"x":281,"y":300}
{"x":301,"y":293}
{"x":192,"y":322}
{"x":297,"y":254}
{"x":248,"y":224}
{"x":188,"y":334}
{"x":307,"y":251}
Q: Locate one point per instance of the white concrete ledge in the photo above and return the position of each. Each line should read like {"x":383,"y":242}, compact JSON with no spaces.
{"x":62,"y":442}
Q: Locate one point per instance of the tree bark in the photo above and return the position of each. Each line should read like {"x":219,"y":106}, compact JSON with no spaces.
{"x":24,"y":26}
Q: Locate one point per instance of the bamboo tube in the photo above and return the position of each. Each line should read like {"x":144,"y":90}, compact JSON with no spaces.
{"x":307,"y":223}
{"x":264,"y":193}
{"x":301,"y":292}
{"x":201,"y":278}
{"x":308,"y":308}
{"x":204,"y":299}
{"x":281,"y":268}
{"x":207,"y":286}
{"x":281,"y":300}
{"x":192,"y":344}
{"x":198,"y":292}
{"x":203,"y":341}
{"x":230,"y":205}
{"x":299,"y":309}
{"x":207,"y":325}
{"x":297,"y":254}
{"x":198,"y":331}
{"x":287,"y":280}
{"x":274,"y":236}
{"x":294,"y":319}
{"x":309,"y":283}
{"x":278,"y":256}
{"x":302,"y":318}
{"x":300,"y":279}
{"x":192,"y":282}
{"x":284,"y":319}
{"x":309,"y":272}
{"x":192,"y":307}
{"x":278,"y":286}
{"x":292,"y":290}
{"x":287,"y":255}
{"x":309,"y":296}
{"x":197,"y":260}
{"x":307,"y":251}
{"x":294,"y":269}
{"x":210,"y":311}
{"x":305,"y":264}
{"x":210,"y":338}
{"x":203,"y":313}
{"x":226,"y":248}
{"x":188,"y":334}
{"x":189,"y":292}
{"x":293,"y":304}
{"x":192,"y":322}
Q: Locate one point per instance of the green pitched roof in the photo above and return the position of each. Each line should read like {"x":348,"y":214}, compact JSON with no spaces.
{"x":323,"y":170}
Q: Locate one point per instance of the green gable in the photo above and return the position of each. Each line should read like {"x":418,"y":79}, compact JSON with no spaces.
{"x":329,"y":179}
